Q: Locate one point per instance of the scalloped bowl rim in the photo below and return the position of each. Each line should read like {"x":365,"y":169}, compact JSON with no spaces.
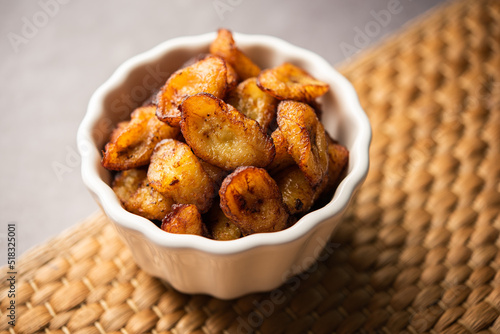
{"x":347,"y":98}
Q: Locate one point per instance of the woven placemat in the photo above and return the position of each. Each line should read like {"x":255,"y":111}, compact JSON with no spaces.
{"x":418,"y":250}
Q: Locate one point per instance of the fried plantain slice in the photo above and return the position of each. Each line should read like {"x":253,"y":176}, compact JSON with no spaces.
{"x":232,"y":76}
{"x":298,"y":194}
{"x":253,"y":201}
{"x":338,"y":160}
{"x":120,"y":127}
{"x":149,"y":203}
{"x":137,"y":196}
{"x":282,"y":159}
{"x":222,"y":136}
{"x":177,"y":173}
{"x":221,"y":227}
{"x":289,"y":82}
{"x":207,"y":75}
{"x":254,"y":103}
{"x":126,"y":183}
{"x":225,"y":47}
{"x":132,"y":142}
{"x":217,"y":174}
{"x":306,"y":139}
{"x":184,"y":219}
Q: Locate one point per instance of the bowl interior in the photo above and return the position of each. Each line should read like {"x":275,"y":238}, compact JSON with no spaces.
{"x":139,"y":77}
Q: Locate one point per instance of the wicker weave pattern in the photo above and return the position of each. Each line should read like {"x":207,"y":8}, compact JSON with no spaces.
{"x":419,"y":249}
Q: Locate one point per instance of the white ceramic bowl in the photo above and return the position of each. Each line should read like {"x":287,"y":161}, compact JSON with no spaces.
{"x":193,"y":264}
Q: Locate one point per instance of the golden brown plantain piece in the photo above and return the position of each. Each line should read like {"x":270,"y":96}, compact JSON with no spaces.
{"x":225,"y":47}
{"x":120,"y":127}
{"x":338,"y":160}
{"x":222,"y":136}
{"x":137,"y":196}
{"x":282,"y":159}
{"x":306,"y":139}
{"x":184,"y":219}
{"x":232,"y":76}
{"x":254,"y":103}
{"x":221,"y":227}
{"x":289,"y":82}
{"x":207,"y":75}
{"x":131,"y":143}
{"x":127,"y":182}
{"x":217,"y":174}
{"x":298,"y":194}
{"x":177,"y":173}
{"x":149,"y":203}
{"x":253,"y":201}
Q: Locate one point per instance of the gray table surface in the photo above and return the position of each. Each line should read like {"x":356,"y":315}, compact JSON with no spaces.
{"x":55,"y":53}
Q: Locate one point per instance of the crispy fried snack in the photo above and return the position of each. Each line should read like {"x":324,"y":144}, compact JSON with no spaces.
{"x":207,"y":75}
{"x":306,"y":139}
{"x":222,"y":136}
{"x":282,"y":159}
{"x":298,"y":194}
{"x":289,"y":82}
{"x":184,"y":219}
{"x":221,"y":126}
{"x":177,"y":173}
{"x":131,"y":143}
{"x":137,"y":196}
{"x":217,"y":174}
{"x":253,"y":201}
{"x":338,"y":160}
{"x":127,"y":182}
{"x":232,"y":76}
{"x":221,"y":227}
{"x":225,"y":47}
{"x":254,"y":103}
{"x":149,"y":203}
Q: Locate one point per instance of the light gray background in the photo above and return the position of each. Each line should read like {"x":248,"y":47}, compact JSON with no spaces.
{"x":49,"y":72}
